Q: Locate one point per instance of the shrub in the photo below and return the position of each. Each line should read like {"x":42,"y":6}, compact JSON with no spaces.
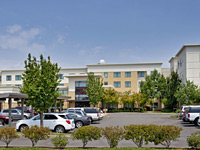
{"x":7,"y":134}
{"x":164,"y":134}
{"x":60,"y":141}
{"x":36,"y":133}
{"x":194,"y":140}
{"x":113,"y":135}
{"x":137,"y":133}
{"x":86,"y":133}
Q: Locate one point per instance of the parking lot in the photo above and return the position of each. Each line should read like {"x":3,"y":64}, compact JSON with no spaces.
{"x":122,"y":119}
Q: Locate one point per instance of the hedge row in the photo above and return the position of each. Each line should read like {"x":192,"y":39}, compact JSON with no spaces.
{"x":139,"y":134}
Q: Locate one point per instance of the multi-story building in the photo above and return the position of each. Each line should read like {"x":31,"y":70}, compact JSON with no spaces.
{"x":122,"y":77}
{"x":187,"y":63}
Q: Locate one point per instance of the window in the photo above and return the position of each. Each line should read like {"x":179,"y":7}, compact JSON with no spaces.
{"x":154,"y":105}
{"x":152,"y":72}
{"x":106,"y":74}
{"x":105,"y":83}
{"x":50,"y":117}
{"x":139,"y":84}
{"x":18,"y":85}
{"x":18,"y":77}
{"x":61,"y":84}
{"x":127,"y":83}
{"x":5,"y":111}
{"x":63,"y":92}
{"x":8,"y":78}
{"x":61,"y":76}
{"x":13,"y":111}
{"x":80,"y":83}
{"x":127,"y":74}
{"x":141,"y":74}
{"x":117,"y":84}
{"x":117,"y":74}
{"x":0,"y":78}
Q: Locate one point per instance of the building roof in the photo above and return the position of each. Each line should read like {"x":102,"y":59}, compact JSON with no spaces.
{"x":172,"y":59}
{"x":126,"y":64}
{"x":189,"y":45}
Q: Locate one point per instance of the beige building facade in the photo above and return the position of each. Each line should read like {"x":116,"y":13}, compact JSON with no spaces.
{"x":121,"y":77}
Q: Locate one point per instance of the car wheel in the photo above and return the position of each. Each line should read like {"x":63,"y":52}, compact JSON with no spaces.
{"x":60,"y":129}
{"x":79,"y":124}
{"x":1,"y":122}
{"x":22,"y":127}
{"x":196,"y":122}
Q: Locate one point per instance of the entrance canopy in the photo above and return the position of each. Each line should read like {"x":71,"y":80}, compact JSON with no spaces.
{"x":15,"y":96}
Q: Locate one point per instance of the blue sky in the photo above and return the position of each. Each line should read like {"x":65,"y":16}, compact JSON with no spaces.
{"x":80,"y":32}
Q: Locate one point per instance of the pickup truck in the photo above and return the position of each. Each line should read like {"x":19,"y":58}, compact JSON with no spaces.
{"x":192,"y":114}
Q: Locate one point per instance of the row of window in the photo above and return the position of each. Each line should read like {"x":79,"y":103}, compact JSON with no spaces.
{"x":18,"y":77}
{"x":127,"y":74}
{"x":117,"y":84}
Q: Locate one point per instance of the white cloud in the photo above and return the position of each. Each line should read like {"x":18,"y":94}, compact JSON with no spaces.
{"x":60,"y":39}
{"x":14,"y":28}
{"x":21,"y":40}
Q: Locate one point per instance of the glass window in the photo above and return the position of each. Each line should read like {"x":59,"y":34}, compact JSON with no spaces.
{"x":0,"y":78}
{"x":14,"y":111}
{"x":18,"y":77}
{"x":106,"y":74}
{"x":127,"y":83}
{"x":50,"y":117}
{"x":63,"y":116}
{"x":5,"y":111}
{"x":61,"y":84}
{"x":139,"y":84}
{"x":61,"y":76}
{"x":18,"y":85}
{"x":8,"y":78}
{"x":152,"y":72}
{"x":117,"y":74}
{"x":127,"y":74}
{"x":117,"y":84}
{"x":80,"y":83}
{"x":141,"y":74}
{"x":63,"y":92}
{"x":105,"y":83}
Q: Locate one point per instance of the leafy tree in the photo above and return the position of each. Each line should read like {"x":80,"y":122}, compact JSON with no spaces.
{"x":110,"y":96}
{"x":127,"y":98}
{"x":40,"y":81}
{"x":95,"y":89}
{"x":173,"y":83}
{"x":113,"y":135}
{"x":7,"y":134}
{"x":36,"y":133}
{"x":187,"y":93}
{"x":140,"y":100}
{"x":86,"y":134}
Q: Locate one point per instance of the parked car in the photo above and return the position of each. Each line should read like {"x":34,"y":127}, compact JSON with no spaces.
{"x":91,"y":112}
{"x":182,"y":111}
{"x":57,"y":122}
{"x":192,"y":114}
{"x":4,"y":120}
{"x":74,"y":110}
{"x":27,"y":109}
{"x":79,"y":120}
{"x":16,"y":114}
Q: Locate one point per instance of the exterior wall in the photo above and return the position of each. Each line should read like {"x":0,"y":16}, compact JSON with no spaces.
{"x":111,"y":79}
{"x":193,"y":64}
{"x":165,"y":72}
{"x":173,"y":64}
{"x":181,"y":69}
{"x":13,"y":82}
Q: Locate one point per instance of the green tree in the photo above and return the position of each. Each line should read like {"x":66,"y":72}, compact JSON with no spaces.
{"x":110,"y":96}
{"x":95,"y":89}
{"x":40,"y":81}
{"x":187,"y":93}
{"x":173,"y":83}
{"x":126,"y":98}
{"x":140,"y":100}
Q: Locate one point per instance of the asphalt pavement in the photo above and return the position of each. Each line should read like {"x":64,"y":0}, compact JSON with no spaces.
{"x":121,"y":119}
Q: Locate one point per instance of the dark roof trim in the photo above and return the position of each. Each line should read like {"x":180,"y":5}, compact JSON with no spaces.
{"x":13,"y":95}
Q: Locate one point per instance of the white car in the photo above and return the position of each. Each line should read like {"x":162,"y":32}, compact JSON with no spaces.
{"x":57,"y":122}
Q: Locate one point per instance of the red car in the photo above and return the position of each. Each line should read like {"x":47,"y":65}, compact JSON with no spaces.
{"x":3,"y":120}
{"x":27,"y":110}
